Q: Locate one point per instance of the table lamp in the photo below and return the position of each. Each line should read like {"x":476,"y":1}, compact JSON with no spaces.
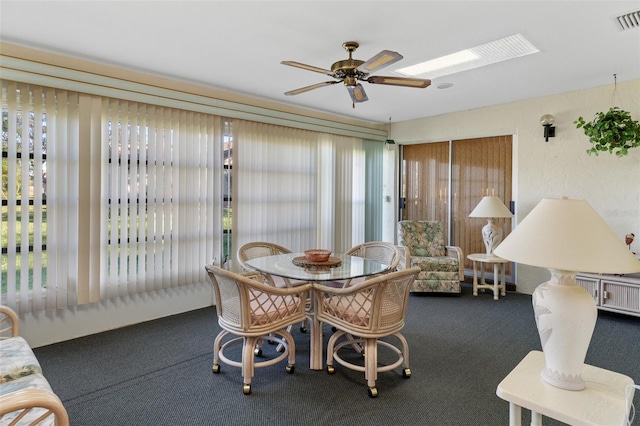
{"x":491,"y":207}
{"x":566,"y":236}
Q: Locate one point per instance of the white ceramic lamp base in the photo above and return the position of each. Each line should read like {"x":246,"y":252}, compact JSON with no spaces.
{"x":491,"y":236}
{"x":566,"y":316}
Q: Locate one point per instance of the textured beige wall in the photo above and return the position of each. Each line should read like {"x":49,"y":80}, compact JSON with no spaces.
{"x":555,"y":168}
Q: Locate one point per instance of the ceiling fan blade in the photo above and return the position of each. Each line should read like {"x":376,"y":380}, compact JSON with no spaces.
{"x":307,"y":67}
{"x":400,"y":81}
{"x":382,"y":59}
{"x":307,"y":88}
{"x":357,"y":93}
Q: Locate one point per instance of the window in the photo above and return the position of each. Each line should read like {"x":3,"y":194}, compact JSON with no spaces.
{"x":106,"y":197}
{"x":159,"y":184}
{"x":134,"y":208}
{"x":39,"y":126}
{"x":227,"y":193}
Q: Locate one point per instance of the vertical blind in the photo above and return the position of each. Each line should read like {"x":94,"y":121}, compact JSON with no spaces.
{"x":374,"y":189}
{"x":161,"y":190}
{"x":275,"y":185}
{"x":425,"y":177}
{"x":104,"y":197}
{"x":297,"y":188}
{"x":481,"y":166}
{"x":39,"y":195}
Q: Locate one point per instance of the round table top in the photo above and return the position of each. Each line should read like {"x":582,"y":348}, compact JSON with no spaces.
{"x":350,"y":267}
{"x":483,"y":257}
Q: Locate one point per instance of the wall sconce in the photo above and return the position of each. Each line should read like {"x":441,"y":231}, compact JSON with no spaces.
{"x":389,"y":144}
{"x":547,"y":121}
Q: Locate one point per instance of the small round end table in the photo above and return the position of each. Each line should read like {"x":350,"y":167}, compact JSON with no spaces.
{"x":498,"y":268}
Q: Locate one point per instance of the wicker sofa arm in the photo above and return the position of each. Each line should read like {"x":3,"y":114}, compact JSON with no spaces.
{"x":9,"y":326}
{"x":26,"y":398}
{"x":33,"y":404}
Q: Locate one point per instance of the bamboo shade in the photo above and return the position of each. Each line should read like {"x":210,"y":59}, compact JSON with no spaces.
{"x":425,"y":174}
{"x":481,"y":166}
{"x":437,"y":187}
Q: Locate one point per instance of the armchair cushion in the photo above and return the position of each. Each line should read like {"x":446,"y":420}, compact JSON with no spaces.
{"x":17,"y":359}
{"x":436,"y":264}
{"x":424,"y":238}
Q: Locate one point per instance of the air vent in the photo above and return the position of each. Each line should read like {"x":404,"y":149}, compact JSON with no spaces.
{"x":629,"y":20}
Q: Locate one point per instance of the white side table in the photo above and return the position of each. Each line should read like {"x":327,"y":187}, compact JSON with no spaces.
{"x":498,"y":268}
{"x":602,"y":402}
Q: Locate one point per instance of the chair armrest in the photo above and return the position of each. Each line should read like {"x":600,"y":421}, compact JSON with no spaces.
{"x":405,"y":258}
{"x":454,"y":251}
{"x":254,"y":275}
{"x":31,"y":399}
{"x":280,"y":291}
{"x":360,"y":286}
{"x":8,"y":322}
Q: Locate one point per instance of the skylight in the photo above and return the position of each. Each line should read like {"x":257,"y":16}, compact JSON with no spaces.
{"x":511,"y":47}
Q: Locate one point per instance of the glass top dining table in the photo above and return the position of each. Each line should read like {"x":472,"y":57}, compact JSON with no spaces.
{"x":350,"y":267}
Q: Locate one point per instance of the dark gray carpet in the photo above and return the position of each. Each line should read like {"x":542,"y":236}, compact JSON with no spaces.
{"x":159,"y":372}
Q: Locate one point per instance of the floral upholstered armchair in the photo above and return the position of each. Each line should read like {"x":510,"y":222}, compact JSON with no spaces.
{"x":422,"y":244}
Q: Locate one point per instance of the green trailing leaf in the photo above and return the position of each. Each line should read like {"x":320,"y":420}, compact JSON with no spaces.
{"x":613,"y":132}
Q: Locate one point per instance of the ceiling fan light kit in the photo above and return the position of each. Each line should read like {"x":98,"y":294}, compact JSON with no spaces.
{"x":351,"y":71}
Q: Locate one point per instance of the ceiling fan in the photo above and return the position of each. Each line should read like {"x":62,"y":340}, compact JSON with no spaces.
{"x":352,"y":71}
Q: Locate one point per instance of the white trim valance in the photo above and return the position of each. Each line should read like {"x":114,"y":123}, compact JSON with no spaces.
{"x":32,"y":72}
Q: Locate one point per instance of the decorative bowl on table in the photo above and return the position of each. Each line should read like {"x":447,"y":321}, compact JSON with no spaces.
{"x":317,"y":255}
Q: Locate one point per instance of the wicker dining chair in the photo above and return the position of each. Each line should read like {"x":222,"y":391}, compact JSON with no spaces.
{"x":262,"y":248}
{"x":380,"y":251}
{"x":250,"y":310}
{"x":367,"y":311}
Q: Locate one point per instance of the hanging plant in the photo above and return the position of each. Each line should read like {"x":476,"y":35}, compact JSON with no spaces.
{"x":611,"y":131}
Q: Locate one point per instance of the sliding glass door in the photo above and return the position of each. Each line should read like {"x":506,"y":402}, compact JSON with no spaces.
{"x":445,"y":181}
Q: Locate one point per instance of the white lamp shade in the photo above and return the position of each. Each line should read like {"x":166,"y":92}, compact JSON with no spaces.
{"x":490,"y":206}
{"x":567,"y":235}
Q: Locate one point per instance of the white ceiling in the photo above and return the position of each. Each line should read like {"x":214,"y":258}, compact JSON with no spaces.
{"x":238,"y":46}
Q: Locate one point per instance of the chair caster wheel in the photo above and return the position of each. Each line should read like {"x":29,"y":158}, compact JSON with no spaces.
{"x":257,"y":352}
{"x":246,"y":389}
{"x":216,"y":368}
{"x":290,"y":368}
{"x":406,"y":372}
{"x":373,"y":392}
{"x":331,"y":369}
